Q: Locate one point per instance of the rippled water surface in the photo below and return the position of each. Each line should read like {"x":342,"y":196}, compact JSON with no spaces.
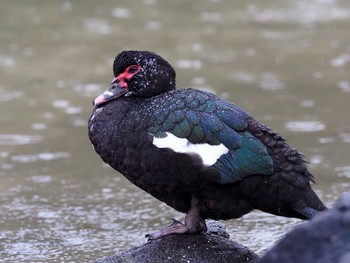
{"x":286,"y":62}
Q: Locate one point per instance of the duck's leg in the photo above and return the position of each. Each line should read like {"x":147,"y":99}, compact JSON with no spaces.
{"x":193,"y":221}
{"x":194,"y":224}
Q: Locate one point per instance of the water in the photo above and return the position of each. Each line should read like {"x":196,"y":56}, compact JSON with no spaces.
{"x":285,"y":62}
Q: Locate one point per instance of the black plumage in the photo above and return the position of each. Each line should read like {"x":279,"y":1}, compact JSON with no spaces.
{"x":199,"y":154}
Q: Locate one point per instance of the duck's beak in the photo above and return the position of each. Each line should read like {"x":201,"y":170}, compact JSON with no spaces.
{"x":114,"y":91}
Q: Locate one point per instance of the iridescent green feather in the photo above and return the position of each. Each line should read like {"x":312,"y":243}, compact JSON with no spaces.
{"x":204,"y":118}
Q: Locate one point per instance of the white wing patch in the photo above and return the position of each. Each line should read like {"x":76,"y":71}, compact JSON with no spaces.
{"x":209,"y":153}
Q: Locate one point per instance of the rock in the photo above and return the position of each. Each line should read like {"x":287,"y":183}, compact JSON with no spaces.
{"x":325,"y":239}
{"x":213,"y":246}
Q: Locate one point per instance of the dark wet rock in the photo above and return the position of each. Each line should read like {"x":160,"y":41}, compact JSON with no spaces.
{"x":213,"y":246}
{"x":325,"y":239}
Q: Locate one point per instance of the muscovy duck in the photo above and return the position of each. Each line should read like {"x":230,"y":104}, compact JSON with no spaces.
{"x":194,"y":151}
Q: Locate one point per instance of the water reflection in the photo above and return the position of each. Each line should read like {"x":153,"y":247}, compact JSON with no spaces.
{"x":341,"y":60}
{"x":121,"y":12}
{"x":97,"y":25}
{"x":41,"y":178}
{"x":343,"y":171}
{"x":285,"y":63}
{"x":345,"y":137}
{"x":305,"y":126}
{"x":344,"y":86}
{"x":19,"y":139}
{"x":6,"y":95}
{"x":306,"y":13}
{"x":186,"y":64}
{"x":270,"y":81}
{"x":7,"y":61}
{"x":47,"y":156}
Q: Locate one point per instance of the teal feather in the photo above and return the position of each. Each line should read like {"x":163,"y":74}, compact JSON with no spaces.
{"x":235,"y":120}
{"x":197,"y":134}
{"x":231,"y":140}
{"x":193,"y":118}
{"x":182,"y":129}
{"x":203,"y":118}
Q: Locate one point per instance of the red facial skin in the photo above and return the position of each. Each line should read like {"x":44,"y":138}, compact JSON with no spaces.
{"x":118,"y":83}
{"x":128,"y":73}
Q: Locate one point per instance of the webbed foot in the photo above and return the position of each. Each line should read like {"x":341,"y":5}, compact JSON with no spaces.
{"x":175,"y":228}
{"x":194,"y":224}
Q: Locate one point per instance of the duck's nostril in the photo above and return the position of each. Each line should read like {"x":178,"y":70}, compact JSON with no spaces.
{"x":114,"y":85}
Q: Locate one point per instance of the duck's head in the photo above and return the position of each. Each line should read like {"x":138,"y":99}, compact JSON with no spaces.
{"x":139,"y":74}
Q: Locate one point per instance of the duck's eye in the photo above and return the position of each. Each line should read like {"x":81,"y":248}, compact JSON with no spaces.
{"x":133,"y":69}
